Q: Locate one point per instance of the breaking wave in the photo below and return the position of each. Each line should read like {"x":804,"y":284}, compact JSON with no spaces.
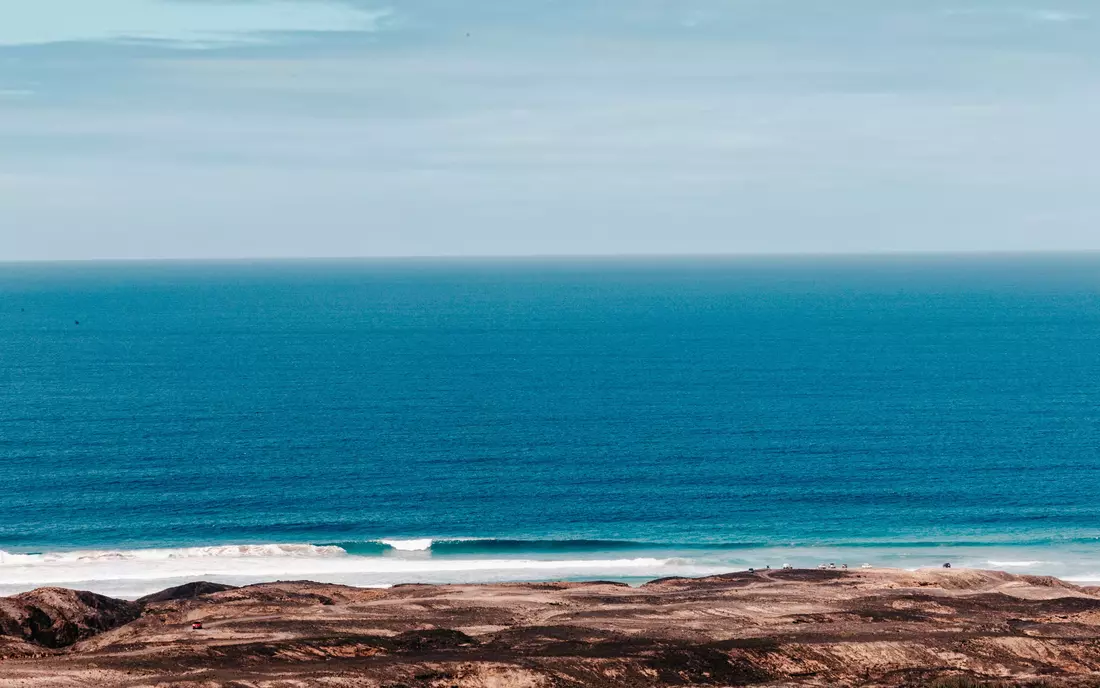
{"x":137,"y":572}
{"x":421,"y":545}
{"x":391,"y":561}
{"x":495,"y":546}
{"x":217,"y":551}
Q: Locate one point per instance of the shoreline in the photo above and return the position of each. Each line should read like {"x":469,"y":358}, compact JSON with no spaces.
{"x":854,"y":627}
{"x":132,"y":573}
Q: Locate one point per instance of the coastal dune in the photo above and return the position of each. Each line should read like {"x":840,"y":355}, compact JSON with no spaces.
{"x":871,"y":627}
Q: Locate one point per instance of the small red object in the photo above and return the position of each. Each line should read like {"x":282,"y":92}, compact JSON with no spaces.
{"x":197,"y":626}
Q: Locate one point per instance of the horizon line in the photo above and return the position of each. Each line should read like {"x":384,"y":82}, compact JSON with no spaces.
{"x":567,"y":257}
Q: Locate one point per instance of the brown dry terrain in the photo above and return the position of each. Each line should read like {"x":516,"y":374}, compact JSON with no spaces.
{"x":770,"y":628}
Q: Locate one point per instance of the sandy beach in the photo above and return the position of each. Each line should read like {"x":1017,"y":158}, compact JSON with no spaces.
{"x":874,"y":627}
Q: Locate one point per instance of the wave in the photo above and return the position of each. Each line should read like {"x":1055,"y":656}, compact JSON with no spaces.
{"x":137,"y":572}
{"x":391,"y":561}
{"x":420,"y":545}
{"x":216,"y":551}
{"x":475,"y":545}
{"x":479,"y":546}
{"x":489,"y":546}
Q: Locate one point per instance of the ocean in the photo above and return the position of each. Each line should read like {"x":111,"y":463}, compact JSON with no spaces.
{"x":382,"y":422}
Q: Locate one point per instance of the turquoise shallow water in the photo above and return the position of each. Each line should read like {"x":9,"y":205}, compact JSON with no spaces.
{"x":545,"y":419}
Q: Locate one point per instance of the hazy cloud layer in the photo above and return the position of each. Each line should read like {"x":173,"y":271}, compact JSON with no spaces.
{"x":546,"y":126}
{"x":191,"y":22}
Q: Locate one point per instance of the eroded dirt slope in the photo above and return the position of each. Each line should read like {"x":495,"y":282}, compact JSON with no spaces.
{"x":826,"y":628}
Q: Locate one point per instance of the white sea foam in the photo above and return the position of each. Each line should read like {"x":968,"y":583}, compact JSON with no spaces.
{"x":136,"y":572}
{"x":9,"y":559}
{"x":130,"y":573}
{"x":214,"y":552}
{"x":420,"y":545}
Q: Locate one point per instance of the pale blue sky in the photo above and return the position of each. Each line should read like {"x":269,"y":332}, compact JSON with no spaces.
{"x":234,"y":128}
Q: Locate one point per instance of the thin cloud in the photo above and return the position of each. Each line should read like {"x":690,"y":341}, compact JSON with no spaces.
{"x":557,"y":126}
{"x":1053,"y":16}
{"x":1058,"y":16}
{"x":188,"y":24}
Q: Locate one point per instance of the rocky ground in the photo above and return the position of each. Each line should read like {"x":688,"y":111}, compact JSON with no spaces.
{"x":949,"y":628}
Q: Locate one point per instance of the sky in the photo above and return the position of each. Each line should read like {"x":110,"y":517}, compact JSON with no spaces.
{"x":311,"y":128}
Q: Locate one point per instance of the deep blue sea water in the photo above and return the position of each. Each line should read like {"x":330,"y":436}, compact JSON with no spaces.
{"x":545,"y":419}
